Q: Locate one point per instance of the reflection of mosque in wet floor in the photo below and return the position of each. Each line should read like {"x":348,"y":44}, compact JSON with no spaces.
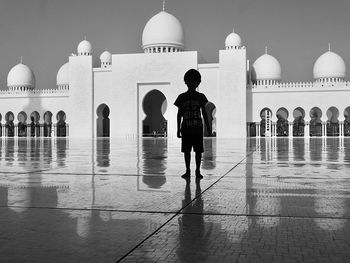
{"x":103,"y":149}
{"x":154,"y":156}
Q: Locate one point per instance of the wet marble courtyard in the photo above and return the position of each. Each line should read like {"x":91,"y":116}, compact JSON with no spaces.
{"x":111,"y":200}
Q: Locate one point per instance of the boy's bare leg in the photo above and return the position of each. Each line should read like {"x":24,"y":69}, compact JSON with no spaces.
{"x":187,"y":156}
{"x":198,"y":164}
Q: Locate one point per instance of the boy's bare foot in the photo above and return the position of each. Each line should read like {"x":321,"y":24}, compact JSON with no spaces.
{"x":198,"y":174}
{"x":187,"y":174}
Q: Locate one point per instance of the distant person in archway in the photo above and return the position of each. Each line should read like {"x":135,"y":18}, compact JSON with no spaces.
{"x":191,"y":106}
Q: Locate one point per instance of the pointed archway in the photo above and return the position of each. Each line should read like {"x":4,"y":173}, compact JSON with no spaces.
{"x":22,"y":124}
{"x":34,"y":124}
{"x":47,"y":123}
{"x":315,"y":122}
{"x":332,"y":122}
{"x":102,"y":121}
{"x":154,"y":106}
{"x":282,"y":122}
{"x":299,"y":122}
{"x":61,"y":124}
{"x":10,"y":126}
{"x":265,"y":123}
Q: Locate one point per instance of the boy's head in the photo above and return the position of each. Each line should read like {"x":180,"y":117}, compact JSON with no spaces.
{"x":192,"y":79}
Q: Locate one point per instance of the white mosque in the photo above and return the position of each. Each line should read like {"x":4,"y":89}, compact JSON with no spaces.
{"x":132,"y":95}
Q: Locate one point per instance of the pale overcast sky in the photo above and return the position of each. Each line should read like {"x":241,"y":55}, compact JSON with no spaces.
{"x":296,"y":32}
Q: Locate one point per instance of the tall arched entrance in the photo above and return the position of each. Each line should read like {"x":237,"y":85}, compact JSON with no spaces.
{"x":210,"y":110}
{"x":154,"y":106}
{"x":102,"y":121}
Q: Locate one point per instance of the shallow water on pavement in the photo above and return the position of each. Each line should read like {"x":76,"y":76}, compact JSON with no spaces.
{"x":106,"y":199}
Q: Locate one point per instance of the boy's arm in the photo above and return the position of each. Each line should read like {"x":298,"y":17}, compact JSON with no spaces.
{"x":206,"y":121}
{"x":179,"y":116}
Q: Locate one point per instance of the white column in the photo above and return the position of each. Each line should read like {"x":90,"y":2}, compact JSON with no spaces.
{"x":258,"y":127}
{"x":16,"y":129}
{"x":341,"y":128}
{"x":307,"y":129}
{"x":324,"y":129}
{"x":290,"y":129}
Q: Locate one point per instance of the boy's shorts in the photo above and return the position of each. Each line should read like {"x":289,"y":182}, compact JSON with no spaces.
{"x":192,"y":140}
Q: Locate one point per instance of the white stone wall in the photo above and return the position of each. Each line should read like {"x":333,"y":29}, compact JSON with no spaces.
{"x":134,"y":75}
{"x":81,"y":115}
{"x":232,"y":102}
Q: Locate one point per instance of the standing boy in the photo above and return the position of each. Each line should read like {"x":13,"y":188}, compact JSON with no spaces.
{"x":191,"y":106}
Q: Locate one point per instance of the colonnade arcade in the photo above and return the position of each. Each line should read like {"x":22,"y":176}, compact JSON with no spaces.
{"x":33,"y":125}
{"x":299,"y":123}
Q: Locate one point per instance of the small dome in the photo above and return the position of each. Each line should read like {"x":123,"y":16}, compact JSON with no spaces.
{"x":233,"y":40}
{"x":163,"y":30}
{"x":329,"y":65}
{"x":106,"y":57}
{"x":266,"y":67}
{"x":63,"y":75}
{"x":21,"y":76}
{"x":84,"y":48}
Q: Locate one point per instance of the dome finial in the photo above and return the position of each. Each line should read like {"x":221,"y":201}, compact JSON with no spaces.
{"x":163,"y":5}
{"x":21,"y":60}
{"x":329,"y":46}
{"x":265,"y":49}
{"x":84,"y":37}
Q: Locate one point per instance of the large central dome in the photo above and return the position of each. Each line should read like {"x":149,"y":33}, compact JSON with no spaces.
{"x":163,"y":33}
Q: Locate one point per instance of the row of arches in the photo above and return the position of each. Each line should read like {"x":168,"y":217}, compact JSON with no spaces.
{"x":318,"y":123}
{"x":33,"y":125}
{"x":154,"y":124}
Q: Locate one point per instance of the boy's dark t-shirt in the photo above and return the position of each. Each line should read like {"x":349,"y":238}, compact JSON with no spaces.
{"x":191,"y":103}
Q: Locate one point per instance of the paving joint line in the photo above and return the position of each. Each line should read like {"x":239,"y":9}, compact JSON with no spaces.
{"x":178,"y":212}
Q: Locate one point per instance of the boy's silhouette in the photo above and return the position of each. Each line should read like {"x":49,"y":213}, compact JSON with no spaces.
{"x":191,"y":106}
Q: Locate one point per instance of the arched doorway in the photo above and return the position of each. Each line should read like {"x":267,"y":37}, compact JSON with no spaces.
{"x":34,"y":124}
{"x":265,"y":123}
{"x":102,"y":122}
{"x":332,"y":122}
{"x":210,"y":110}
{"x":10,"y":126}
{"x":47,"y":123}
{"x":282,"y":122}
{"x":315,"y":122}
{"x":61,"y":124}
{"x":298,"y":123}
{"x":347,"y":122}
{"x":22,"y":124}
{"x":154,"y":106}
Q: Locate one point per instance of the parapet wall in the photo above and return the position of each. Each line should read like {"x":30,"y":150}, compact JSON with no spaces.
{"x":301,"y":85}
{"x":62,"y":91}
